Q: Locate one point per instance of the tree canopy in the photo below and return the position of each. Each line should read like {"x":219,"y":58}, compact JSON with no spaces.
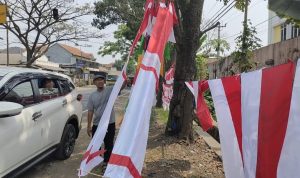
{"x":125,"y":13}
{"x":32,"y":22}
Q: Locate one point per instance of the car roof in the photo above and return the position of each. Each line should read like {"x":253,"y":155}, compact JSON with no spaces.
{"x":4,"y":70}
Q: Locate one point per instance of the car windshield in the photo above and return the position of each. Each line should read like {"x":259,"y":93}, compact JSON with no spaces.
{"x":1,"y":77}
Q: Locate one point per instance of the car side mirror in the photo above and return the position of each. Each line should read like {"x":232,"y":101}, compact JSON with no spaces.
{"x":8,"y":109}
{"x":79,"y":97}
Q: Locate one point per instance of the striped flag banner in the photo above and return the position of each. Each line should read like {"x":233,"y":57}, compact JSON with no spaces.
{"x":259,"y":122}
{"x":93,"y":156}
{"x":129,"y":151}
{"x":198,"y":88}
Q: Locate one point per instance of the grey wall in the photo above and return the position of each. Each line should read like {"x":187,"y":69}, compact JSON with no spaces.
{"x":59,"y":55}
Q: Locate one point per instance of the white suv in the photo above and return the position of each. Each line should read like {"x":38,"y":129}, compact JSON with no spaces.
{"x":35,"y":123}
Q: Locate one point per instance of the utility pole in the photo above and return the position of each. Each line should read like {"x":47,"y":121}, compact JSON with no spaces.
{"x":3,"y":20}
{"x":245,"y":24}
{"x":219,"y":38}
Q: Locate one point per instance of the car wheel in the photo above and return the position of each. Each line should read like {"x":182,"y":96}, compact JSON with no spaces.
{"x":67,"y":143}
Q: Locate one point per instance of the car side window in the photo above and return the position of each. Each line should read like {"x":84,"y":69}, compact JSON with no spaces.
{"x":22,"y":94}
{"x":48,"y":89}
{"x":65,"y":87}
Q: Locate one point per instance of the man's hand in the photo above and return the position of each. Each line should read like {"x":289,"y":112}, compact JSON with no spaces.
{"x":89,"y":127}
{"x":89,"y":131}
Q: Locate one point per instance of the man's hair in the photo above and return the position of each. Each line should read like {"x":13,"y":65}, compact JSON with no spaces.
{"x":45,"y":81}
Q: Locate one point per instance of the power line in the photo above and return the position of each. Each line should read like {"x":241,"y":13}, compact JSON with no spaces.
{"x":254,"y":26}
{"x":233,"y":15}
{"x":211,"y":8}
{"x":217,"y":14}
{"x":224,"y":13}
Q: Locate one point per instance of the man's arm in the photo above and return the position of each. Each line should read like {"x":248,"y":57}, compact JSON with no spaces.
{"x":89,"y":119}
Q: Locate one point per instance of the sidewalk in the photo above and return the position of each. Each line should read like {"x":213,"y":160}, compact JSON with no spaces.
{"x":169,"y":157}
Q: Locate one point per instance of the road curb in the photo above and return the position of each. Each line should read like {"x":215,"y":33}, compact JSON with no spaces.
{"x":209,"y":140}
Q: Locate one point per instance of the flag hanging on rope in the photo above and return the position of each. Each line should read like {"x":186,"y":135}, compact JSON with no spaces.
{"x":93,"y":156}
{"x":129,"y":151}
{"x":258,"y":117}
{"x":202,"y":111}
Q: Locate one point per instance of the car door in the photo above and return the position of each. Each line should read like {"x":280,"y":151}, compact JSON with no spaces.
{"x":54,"y":113}
{"x":20,"y":135}
{"x":73,"y":106}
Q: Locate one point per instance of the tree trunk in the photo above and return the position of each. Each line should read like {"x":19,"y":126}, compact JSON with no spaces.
{"x":187,"y":36}
{"x":159,"y":95}
{"x":29,"y":58}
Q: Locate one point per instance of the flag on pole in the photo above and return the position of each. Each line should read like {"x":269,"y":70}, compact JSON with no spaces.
{"x":129,"y":151}
{"x":202,"y":111}
{"x":93,"y":156}
{"x":259,"y":117}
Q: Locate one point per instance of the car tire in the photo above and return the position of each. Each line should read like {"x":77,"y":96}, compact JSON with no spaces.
{"x":67,"y":143}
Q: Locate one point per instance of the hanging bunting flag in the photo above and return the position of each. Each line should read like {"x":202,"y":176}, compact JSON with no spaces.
{"x":258,"y":117}
{"x":145,"y":23}
{"x":129,"y":151}
{"x":93,"y":156}
{"x":168,"y":87}
{"x":202,"y":111}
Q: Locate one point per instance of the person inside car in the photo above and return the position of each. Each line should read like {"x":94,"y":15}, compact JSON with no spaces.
{"x":48,"y":87}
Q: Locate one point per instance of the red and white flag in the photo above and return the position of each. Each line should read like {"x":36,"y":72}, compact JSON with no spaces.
{"x":93,"y":156}
{"x":129,"y":151}
{"x":146,"y":23}
{"x":168,"y":87}
{"x":259,"y":122}
{"x":202,"y":111}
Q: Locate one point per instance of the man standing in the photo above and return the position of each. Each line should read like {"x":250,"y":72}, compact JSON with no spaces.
{"x":96,"y":106}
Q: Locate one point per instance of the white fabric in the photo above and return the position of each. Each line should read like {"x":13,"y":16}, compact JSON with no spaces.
{"x":98,"y":138}
{"x":152,"y":60}
{"x":251,"y":90}
{"x":289,"y":162}
{"x":232,"y":162}
{"x":135,"y":126}
{"x":194,"y":89}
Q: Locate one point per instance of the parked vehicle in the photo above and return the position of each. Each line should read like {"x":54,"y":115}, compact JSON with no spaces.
{"x":111,"y":79}
{"x":40,"y":114}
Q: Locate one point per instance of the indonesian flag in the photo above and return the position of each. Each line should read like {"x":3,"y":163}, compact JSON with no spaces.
{"x":168,"y":88}
{"x":148,"y":22}
{"x":93,"y":156}
{"x":129,"y":151}
{"x":202,"y":111}
{"x":259,"y":122}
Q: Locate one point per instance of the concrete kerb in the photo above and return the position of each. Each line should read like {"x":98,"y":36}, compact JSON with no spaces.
{"x":209,"y":140}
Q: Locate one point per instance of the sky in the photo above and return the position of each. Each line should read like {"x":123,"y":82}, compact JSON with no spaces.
{"x":258,"y":13}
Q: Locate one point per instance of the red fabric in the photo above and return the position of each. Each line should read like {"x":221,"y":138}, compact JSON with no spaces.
{"x":161,"y":32}
{"x":203,"y":113}
{"x":175,"y":18}
{"x":143,"y":25}
{"x":87,"y":155}
{"x":275,"y":101}
{"x":232,"y":88}
{"x":125,"y":161}
{"x":124,"y":75}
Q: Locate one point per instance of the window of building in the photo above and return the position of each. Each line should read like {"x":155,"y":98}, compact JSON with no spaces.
{"x":295,"y":31}
{"x":283,"y":32}
{"x":22,"y":94}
